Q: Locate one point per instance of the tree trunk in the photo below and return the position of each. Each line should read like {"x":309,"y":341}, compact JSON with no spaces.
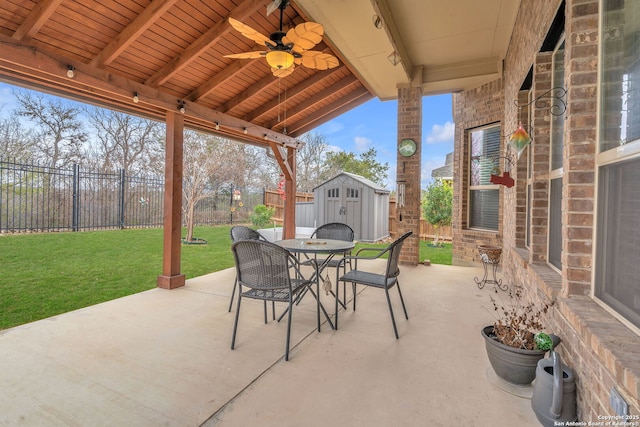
{"x":190,"y":213}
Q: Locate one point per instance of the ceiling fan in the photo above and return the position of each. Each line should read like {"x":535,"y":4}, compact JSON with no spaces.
{"x":286,"y":49}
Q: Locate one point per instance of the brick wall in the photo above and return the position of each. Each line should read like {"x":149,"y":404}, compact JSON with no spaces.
{"x":408,"y":172}
{"x":471,"y":109}
{"x":602,"y":351}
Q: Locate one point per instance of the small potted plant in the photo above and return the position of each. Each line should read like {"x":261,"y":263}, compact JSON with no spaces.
{"x":511,"y":343}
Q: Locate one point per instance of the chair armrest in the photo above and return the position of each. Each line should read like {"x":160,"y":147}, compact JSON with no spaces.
{"x":357,"y":257}
{"x":380,"y":252}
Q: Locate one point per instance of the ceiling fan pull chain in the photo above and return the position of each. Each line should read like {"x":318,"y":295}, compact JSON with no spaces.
{"x":284,"y":131}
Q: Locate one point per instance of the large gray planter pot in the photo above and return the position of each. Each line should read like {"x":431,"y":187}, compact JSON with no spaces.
{"x":514,"y":365}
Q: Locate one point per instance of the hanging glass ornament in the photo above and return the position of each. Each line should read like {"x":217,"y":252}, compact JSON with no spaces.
{"x":519,"y":140}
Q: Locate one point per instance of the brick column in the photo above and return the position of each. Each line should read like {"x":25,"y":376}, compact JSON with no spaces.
{"x":580,"y":147}
{"x":540,"y":150}
{"x":408,"y":172}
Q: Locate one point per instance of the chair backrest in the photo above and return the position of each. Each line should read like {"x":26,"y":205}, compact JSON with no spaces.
{"x":261,"y":265}
{"x":240,"y":232}
{"x":335,"y":231}
{"x":394,"y":255}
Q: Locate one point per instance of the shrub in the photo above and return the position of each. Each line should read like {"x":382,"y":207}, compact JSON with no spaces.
{"x":261,"y":216}
{"x":437,"y":205}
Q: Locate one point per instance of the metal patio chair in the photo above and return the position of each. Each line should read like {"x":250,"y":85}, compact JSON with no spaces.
{"x":335,"y":231}
{"x":269,"y":273}
{"x":386,"y":280}
{"x":241,"y":232}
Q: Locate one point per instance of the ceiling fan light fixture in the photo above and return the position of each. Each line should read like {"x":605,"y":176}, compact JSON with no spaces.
{"x":280,"y":59}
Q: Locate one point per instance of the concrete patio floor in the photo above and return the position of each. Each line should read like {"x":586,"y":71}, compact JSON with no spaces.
{"x":163,"y":358}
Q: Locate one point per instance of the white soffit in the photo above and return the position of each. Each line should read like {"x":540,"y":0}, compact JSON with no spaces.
{"x":457,"y":43}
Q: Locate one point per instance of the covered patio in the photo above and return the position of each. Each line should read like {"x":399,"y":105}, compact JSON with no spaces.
{"x":163,"y":358}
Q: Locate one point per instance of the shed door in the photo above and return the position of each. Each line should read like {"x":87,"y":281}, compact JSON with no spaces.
{"x":344,"y":205}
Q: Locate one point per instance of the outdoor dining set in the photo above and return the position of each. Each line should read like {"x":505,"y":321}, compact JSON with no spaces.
{"x":275,"y":271}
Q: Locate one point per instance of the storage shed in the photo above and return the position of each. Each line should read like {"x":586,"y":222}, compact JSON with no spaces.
{"x":356,"y":201}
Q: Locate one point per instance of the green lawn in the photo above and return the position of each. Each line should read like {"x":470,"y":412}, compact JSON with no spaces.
{"x":48,"y":274}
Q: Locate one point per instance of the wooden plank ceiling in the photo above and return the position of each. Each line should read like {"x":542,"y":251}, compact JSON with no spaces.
{"x":171,"y":52}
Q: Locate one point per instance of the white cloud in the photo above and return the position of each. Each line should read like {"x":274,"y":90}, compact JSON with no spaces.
{"x":362,"y":143}
{"x":333,"y":149}
{"x":332,"y":127}
{"x":441,"y":133}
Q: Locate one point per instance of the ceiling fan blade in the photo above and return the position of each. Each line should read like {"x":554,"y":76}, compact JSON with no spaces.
{"x":318,"y":60}
{"x":250,"y":33}
{"x":304,"y":36}
{"x":282,"y":72}
{"x":248,"y":55}
{"x":273,"y":6}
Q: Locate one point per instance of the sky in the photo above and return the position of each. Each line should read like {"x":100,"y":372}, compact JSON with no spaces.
{"x":375,"y":124}
{"x":372,"y":124}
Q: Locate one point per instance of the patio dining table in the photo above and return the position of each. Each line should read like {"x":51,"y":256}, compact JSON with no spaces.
{"x":328,"y":247}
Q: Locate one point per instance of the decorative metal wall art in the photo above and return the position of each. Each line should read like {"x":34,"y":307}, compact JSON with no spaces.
{"x":555,"y":100}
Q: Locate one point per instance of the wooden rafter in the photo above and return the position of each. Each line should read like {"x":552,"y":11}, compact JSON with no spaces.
{"x":265,"y":83}
{"x":36,"y":19}
{"x":203,"y":43}
{"x":108,"y":88}
{"x":282,"y":162}
{"x":293,"y":92}
{"x":219,"y":79}
{"x":138,"y":26}
{"x":344,"y":104}
{"x":312,"y":100}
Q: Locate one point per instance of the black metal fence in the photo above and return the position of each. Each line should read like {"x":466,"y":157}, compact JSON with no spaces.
{"x":42,"y":198}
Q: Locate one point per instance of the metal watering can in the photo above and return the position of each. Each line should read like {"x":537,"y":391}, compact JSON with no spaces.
{"x":554,"y":391}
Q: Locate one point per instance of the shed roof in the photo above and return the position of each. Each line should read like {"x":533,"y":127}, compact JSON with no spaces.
{"x":377,"y":188}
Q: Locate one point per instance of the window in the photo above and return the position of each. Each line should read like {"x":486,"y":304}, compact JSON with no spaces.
{"x":484,"y":197}
{"x":555,"y":167}
{"x":618,"y":228}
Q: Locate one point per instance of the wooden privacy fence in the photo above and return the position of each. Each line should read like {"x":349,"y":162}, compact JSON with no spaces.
{"x":427,"y":231}
{"x":273,"y":199}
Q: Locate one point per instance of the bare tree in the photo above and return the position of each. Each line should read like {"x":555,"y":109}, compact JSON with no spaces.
{"x":59,"y":128}
{"x":260,"y":169}
{"x":210,"y":163}
{"x":16,"y":142}
{"x":125,"y":142}
{"x":311,"y":161}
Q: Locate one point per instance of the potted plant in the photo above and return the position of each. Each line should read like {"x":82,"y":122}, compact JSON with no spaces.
{"x":511,"y":343}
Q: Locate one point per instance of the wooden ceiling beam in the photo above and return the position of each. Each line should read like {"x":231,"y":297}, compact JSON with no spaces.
{"x":24,"y":62}
{"x":204,"y":42}
{"x":130,"y":34}
{"x":284,"y":166}
{"x":341,"y":106}
{"x":36,"y":19}
{"x":293,"y":92}
{"x":254,"y":90}
{"x":217,"y":80}
{"x":313,"y":100}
